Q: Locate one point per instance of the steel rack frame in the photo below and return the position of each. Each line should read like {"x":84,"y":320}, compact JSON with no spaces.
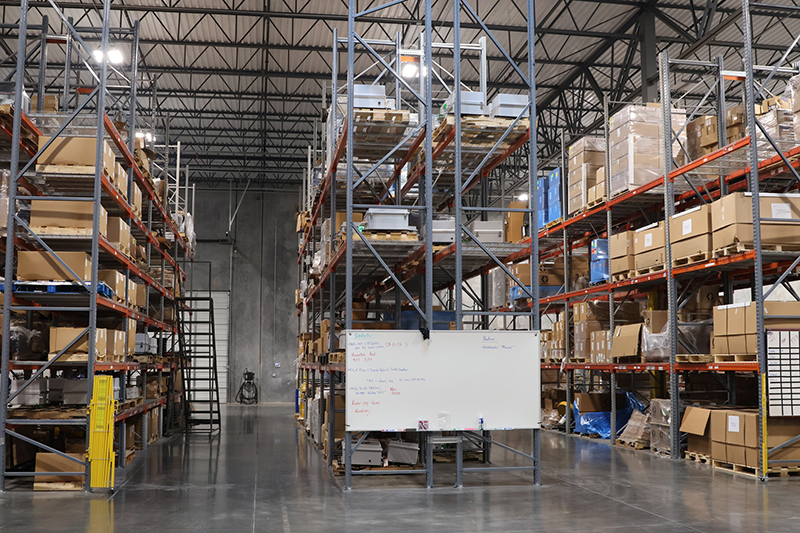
{"x":422,"y":263}
{"x":91,"y":302}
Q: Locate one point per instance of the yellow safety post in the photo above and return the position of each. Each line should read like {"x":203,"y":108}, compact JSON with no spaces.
{"x":101,"y":439}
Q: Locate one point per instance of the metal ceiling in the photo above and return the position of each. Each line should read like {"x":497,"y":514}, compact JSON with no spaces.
{"x":242,"y":80}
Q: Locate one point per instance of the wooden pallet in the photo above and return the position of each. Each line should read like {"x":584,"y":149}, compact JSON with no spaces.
{"x":61,"y":231}
{"x":699,"y":257}
{"x":130,"y":455}
{"x":588,"y":435}
{"x":74,"y":357}
{"x":622,"y":276}
{"x":596,"y":202}
{"x":73,"y":170}
{"x":55,"y":485}
{"x":739,"y":248}
{"x":694,"y":358}
{"x":632,"y":445}
{"x":649,"y":270}
{"x":555,"y":222}
{"x":391,"y":235}
{"x":698,"y":457}
{"x":337,"y":357}
{"x":47,"y":413}
{"x":735,"y":358}
{"x":129,"y":404}
{"x":578,"y":360}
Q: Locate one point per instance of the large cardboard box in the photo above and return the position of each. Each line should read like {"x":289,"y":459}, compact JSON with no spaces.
{"x":67,"y":214}
{"x":42,"y":266}
{"x":620,"y":244}
{"x":115,"y":281}
{"x":655,"y":321}
{"x":60,"y":337}
{"x":695,"y":424}
{"x":597,"y":402}
{"x":49,"y":103}
{"x":626,"y":341}
{"x":131,"y":334}
{"x":732,"y":219}
{"x":76,"y":151}
{"x":585,"y":328}
{"x":515,"y":222}
{"x":649,"y":238}
{"x":52,"y":462}
{"x":136,"y":200}
{"x":119,"y":234}
{"x":115,"y":343}
{"x":690,"y":232}
{"x":141,"y":295}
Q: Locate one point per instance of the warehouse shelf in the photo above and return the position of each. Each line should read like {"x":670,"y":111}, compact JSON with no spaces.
{"x":91,"y":184}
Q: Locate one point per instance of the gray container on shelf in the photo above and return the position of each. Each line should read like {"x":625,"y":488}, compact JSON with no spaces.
{"x":366,"y":97}
{"x":368,"y":454}
{"x":403,"y":452}
{"x":508,"y":105}
{"x":472,"y":103}
{"x":387,"y":220}
{"x":488,"y":231}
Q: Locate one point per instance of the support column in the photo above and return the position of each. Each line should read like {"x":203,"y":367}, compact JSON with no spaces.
{"x":649,"y":56}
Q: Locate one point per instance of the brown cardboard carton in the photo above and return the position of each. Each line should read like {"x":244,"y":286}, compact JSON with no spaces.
{"x":719,"y":345}
{"x":689,"y":224}
{"x":49,"y":103}
{"x":52,"y":462}
{"x":649,"y":238}
{"x":67,"y":214}
{"x":717,"y":430}
{"x":136,"y":200}
{"x":778,"y":309}
{"x":650,"y":259}
{"x":620,"y":244}
{"x":718,"y":451}
{"x":584,"y":328}
{"x":515,"y":222}
{"x":655,"y":321}
{"x":695,"y":423}
{"x":597,"y":402}
{"x":42,"y":266}
{"x":119,"y":234}
{"x":737,"y":344}
{"x":626,"y":340}
{"x":75,"y":151}
{"x":115,"y":281}
{"x":115,"y":343}
{"x":60,"y":337}
{"x":693,"y":246}
{"x":732,"y":218}
{"x":622,"y":265}
{"x":131,"y":342}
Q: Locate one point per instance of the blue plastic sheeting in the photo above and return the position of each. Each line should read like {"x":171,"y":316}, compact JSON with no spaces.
{"x":410,"y":319}
{"x":600,"y":423}
{"x":599,"y":249}
{"x":598,"y":271}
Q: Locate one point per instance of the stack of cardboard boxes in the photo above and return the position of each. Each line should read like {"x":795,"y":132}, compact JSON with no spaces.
{"x":545,"y":338}
{"x":690,"y":235}
{"x":649,"y":248}
{"x":731,"y":436}
{"x":597,"y":192}
{"x":591,"y":328}
{"x":514,"y":224}
{"x":735,"y":332}
{"x":732,"y":220}
{"x":586,"y":157}
{"x":600,"y":347}
{"x":621,"y":263}
{"x":635,"y":148}
{"x":557,"y":349}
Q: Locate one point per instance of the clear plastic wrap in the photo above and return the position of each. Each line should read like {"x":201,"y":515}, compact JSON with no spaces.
{"x":636,"y":113}
{"x":600,"y":422}
{"x":191,"y":236}
{"x":550,"y":418}
{"x":693,"y":337}
{"x":4,"y":176}
{"x":660,"y":411}
{"x":26,"y":344}
{"x":316,"y":263}
{"x":595,"y":144}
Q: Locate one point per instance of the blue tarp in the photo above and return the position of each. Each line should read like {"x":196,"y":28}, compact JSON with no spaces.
{"x":600,"y":423}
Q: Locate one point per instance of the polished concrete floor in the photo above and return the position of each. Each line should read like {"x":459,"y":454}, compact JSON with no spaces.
{"x":261,"y":475}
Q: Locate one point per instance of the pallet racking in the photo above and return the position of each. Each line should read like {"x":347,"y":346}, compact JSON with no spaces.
{"x":464,"y":151}
{"x":86,"y":301}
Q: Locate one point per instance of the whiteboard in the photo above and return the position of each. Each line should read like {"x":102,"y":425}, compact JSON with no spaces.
{"x":456,"y":380}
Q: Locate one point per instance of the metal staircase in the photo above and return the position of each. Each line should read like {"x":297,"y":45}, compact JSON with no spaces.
{"x":198,"y":359}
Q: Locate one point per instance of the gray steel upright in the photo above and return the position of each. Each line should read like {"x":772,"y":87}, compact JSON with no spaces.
{"x":609,"y":221}
{"x":672,"y":286}
{"x":457,"y":163}
{"x":12,"y":194}
{"x":428,"y":144}
{"x":348,"y":243}
{"x":332,"y":280}
{"x":758,"y":270}
{"x":68,"y":69}
{"x":42,"y":64}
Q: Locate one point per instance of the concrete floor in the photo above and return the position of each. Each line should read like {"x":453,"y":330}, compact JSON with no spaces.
{"x":262,"y":476}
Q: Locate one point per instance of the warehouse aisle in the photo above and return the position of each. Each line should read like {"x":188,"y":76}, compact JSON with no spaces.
{"x":261,"y":476}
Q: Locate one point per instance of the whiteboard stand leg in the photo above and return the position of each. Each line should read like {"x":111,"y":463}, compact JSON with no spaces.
{"x":568,"y":428}
{"x":429,"y":460}
{"x":348,"y":472}
{"x":459,"y":462}
{"x":537,"y":455}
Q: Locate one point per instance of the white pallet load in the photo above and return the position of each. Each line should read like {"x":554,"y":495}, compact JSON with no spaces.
{"x":488,"y":231}
{"x":508,"y":105}
{"x":387,"y":220}
{"x":366,"y":97}
{"x":472,"y":103}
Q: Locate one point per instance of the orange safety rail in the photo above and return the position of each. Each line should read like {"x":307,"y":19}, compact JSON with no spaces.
{"x":133,"y":411}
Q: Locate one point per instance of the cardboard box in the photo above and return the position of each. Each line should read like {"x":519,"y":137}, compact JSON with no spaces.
{"x":584,"y":329}
{"x":650,"y":259}
{"x":141,"y":295}
{"x":690,"y":224}
{"x":626,"y":340}
{"x":119,"y":234}
{"x":649,"y":238}
{"x":732,"y":217}
{"x":115,"y":343}
{"x":52,"y":462}
{"x":655,"y":321}
{"x":42,"y":266}
{"x":67,"y":214}
{"x":49,"y":103}
{"x":136,"y":200}
{"x":622,"y":265}
{"x":115,"y":281}
{"x":515,"y":222}
{"x":598,"y":402}
{"x":620,"y":244}
{"x":76,"y":151}
{"x":60,"y":337}
{"x":131,"y":335}
{"x":696,"y":425}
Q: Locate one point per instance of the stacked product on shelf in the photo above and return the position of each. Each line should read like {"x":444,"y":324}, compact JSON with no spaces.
{"x":592,"y":321}
{"x":597,"y":192}
{"x":543,"y":199}
{"x":586,"y":157}
{"x":599,"y":265}
{"x":554,"y":195}
{"x":621,"y":262}
{"x":649,"y":248}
